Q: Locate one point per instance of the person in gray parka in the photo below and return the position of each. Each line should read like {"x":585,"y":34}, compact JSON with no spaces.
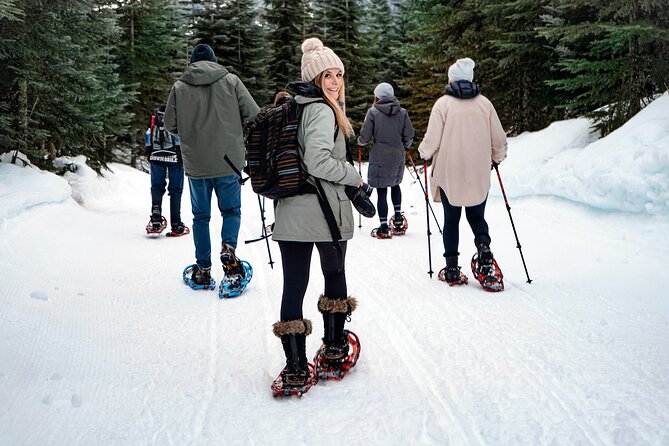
{"x":208,"y":107}
{"x":388,"y":124}
{"x":300,"y":223}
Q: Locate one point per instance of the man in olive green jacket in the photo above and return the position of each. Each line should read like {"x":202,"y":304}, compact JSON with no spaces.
{"x":208,"y":107}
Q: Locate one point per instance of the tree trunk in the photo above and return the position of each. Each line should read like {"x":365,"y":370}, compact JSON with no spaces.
{"x":636,"y":80}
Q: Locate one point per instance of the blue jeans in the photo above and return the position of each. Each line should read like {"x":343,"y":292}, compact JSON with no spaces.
{"x":159,"y":175}
{"x":228,"y":193}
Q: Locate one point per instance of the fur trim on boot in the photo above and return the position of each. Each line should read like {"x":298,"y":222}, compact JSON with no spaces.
{"x":327,"y":305}
{"x":297,"y":326}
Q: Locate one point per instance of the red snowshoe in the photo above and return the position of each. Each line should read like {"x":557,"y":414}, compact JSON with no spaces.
{"x":398,"y":227}
{"x":382,"y":232}
{"x":279,"y":389}
{"x":489,"y":276}
{"x":178,"y":231}
{"x":156,"y":227}
{"x":337,"y":369}
{"x":462,"y":280}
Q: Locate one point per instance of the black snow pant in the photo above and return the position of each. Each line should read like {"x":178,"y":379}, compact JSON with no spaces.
{"x":382,"y":202}
{"x":475,"y":218}
{"x":296,"y":261}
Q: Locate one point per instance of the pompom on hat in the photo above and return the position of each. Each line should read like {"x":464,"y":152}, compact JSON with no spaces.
{"x":202,"y":52}
{"x":384,"y":90}
{"x":462,"y":70}
{"x":317,"y":58}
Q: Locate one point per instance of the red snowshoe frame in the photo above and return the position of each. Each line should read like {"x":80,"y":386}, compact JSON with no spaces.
{"x":151,"y":231}
{"x":337,"y":370}
{"x":376,"y":234}
{"x":173,"y":234}
{"x":492,"y":282}
{"x":279,"y":390}
{"x":463,"y":280}
{"x":398,"y":230}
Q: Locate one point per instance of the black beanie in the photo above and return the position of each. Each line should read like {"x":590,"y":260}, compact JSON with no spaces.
{"x":202,"y":52}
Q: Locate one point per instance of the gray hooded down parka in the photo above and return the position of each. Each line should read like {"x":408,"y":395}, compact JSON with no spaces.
{"x":389,"y":125}
{"x":207,"y":108}
{"x":300,"y":218}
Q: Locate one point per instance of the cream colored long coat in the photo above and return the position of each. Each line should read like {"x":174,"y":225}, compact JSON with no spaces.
{"x":463,"y":137}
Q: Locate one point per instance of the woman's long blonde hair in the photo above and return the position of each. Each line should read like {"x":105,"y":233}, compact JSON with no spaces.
{"x":339,"y":107}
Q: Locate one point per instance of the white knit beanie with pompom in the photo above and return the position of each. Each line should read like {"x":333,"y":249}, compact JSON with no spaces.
{"x":317,"y":58}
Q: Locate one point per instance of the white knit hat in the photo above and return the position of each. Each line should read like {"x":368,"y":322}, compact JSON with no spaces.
{"x":462,"y":70}
{"x":384,"y":90}
{"x":317,"y":58}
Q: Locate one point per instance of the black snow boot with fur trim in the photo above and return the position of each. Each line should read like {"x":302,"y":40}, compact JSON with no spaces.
{"x":293,"y":339}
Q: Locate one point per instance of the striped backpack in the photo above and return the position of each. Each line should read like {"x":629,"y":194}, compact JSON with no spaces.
{"x":273,"y":156}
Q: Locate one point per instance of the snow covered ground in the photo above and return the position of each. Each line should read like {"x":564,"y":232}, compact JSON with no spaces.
{"x":102,"y":344}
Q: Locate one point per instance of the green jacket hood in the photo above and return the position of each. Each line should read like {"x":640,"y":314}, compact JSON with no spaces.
{"x":203,"y":72}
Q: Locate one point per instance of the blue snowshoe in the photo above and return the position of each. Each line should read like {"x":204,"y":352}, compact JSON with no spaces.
{"x":198,"y":279}
{"x":234,"y":284}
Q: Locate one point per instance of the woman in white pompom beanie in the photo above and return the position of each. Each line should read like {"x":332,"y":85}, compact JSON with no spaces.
{"x":300,"y":223}
{"x":464,"y":137}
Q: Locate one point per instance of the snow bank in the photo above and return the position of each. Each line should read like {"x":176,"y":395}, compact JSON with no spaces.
{"x":627,"y":170}
{"x":22,"y":187}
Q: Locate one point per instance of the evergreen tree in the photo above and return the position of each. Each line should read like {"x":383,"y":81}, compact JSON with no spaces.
{"x":151,"y":53}
{"x":63,"y":92}
{"x":615,"y":55}
{"x":338,"y":25}
{"x":524,"y":61}
{"x":285,"y":19}
{"x":382,"y":39}
{"x":238,"y":40}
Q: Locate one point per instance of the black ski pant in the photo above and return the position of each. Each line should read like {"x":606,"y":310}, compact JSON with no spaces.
{"x":296,"y":261}
{"x":382,"y":202}
{"x":475,"y":218}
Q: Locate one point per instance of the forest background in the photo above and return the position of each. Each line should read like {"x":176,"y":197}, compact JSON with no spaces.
{"x":82,"y":77}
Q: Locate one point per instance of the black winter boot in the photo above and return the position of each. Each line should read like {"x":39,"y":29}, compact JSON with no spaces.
{"x":452,"y":268}
{"x":485,"y":257}
{"x":335,"y":312}
{"x":293,"y":339}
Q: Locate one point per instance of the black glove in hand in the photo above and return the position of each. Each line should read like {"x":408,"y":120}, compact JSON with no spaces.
{"x":359,"y":196}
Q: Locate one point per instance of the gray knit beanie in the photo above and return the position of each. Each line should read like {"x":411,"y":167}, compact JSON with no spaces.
{"x":384,"y":90}
{"x":202,"y":52}
{"x":317,"y":58}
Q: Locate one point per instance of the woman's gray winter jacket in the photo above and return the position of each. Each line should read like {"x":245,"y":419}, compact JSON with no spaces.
{"x":389,"y":125}
{"x":300,"y":218}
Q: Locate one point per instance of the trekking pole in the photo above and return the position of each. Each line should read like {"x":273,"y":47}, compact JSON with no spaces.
{"x":508,"y":208}
{"x":427,"y":215}
{"x":424,"y":191}
{"x":263,"y":232}
{"x":360,"y":172}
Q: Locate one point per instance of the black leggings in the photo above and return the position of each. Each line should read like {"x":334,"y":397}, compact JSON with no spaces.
{"x":475,"y":217}
{"x":296,"y":261}
{"x":382,"y":203}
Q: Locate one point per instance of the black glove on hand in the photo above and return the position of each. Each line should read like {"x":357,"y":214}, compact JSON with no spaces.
{"x":359,"y":196}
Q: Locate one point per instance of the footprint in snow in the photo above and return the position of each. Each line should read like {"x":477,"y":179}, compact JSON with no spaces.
{"x":39,"y":295}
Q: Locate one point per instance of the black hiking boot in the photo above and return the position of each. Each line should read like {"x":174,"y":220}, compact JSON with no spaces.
{"x":232,"y":266}
{"x":179,"y":228}
{"x":156,"y":218}
{"x":201,"y":276}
